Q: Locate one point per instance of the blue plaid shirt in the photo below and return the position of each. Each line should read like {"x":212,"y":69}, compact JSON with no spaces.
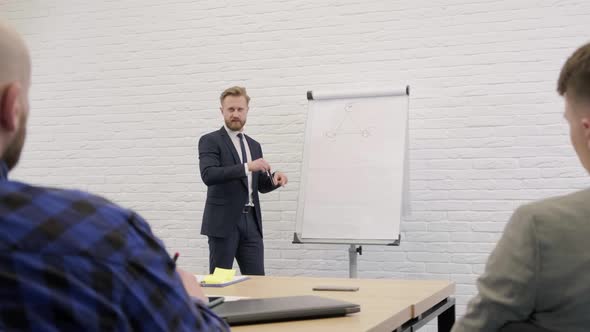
{"x":71,"y":261}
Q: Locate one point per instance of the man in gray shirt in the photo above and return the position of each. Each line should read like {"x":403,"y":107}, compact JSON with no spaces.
{"x":536,"y":277}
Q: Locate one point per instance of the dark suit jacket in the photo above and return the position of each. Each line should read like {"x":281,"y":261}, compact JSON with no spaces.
{"x":227,"y":183}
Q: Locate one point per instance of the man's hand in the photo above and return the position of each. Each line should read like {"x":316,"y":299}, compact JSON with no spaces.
{"x":258,"y":165}
{"x":280,"y":179}
{"x":191,"y":285}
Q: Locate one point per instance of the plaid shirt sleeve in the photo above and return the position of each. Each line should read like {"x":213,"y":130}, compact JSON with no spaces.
{"x":156,"y":298}
{"x":72,"y":261}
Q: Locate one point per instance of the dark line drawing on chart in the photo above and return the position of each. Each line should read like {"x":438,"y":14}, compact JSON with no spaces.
{"x":347,"y":118}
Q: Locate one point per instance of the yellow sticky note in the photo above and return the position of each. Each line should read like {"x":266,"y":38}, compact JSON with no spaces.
{"x":219,"y":276}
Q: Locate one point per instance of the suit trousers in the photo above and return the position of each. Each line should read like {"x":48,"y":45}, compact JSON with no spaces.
{"x":244,"y":243}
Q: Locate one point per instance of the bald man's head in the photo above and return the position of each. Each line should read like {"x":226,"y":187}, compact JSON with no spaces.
{"x":15,"y":64}
{"x":15,"y":79}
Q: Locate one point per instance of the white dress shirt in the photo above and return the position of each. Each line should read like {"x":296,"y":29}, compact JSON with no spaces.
{"x":236,"y":140}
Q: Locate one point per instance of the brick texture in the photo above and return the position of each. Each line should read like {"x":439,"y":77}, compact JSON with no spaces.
{"x":124,"y":89}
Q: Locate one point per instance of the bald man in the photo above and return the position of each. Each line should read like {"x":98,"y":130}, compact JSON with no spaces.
{"x":15,"y":73}
{"x":72,"y":261}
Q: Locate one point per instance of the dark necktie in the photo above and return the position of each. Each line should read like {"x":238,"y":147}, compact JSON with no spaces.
{"x":243,"y":148}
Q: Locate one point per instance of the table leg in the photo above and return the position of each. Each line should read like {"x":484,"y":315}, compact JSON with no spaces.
{"x":446,"y":319}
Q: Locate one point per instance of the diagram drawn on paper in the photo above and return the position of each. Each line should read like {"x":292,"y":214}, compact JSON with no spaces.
{"x":348,"y":126}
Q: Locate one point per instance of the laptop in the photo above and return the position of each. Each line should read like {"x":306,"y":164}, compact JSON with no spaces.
{"x":255,"y":311}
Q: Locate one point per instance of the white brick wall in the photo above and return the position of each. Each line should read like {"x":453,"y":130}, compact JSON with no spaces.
{"x":123,"y":90}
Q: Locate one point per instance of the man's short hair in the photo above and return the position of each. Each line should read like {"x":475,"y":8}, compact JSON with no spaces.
{"x":235,"y":91}
{"x":575,"y":75}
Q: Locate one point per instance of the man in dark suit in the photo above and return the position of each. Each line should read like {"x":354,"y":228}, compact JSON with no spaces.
{"x":234,"y":171}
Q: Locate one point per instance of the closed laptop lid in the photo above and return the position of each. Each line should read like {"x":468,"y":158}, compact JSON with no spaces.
{"x":253,"y":311}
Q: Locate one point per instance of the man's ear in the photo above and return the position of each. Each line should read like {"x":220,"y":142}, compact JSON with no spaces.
{"x":9,"y":107}
{"x":221,"y":110}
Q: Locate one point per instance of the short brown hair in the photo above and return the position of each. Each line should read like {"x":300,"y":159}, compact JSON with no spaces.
{"x":575,"y":75}
{"x":235,"y":91}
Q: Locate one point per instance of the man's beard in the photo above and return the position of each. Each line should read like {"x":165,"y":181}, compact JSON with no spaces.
{"x":235,"y":125}
{"x":13,"y":151}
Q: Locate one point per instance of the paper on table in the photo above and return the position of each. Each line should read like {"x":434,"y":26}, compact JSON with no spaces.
{"x":219,"y":276}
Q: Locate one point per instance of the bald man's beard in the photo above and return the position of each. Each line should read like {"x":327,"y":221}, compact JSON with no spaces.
{"x":13,"y":151}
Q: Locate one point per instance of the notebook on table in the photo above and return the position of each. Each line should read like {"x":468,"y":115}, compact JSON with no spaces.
{"x":255,"y":311}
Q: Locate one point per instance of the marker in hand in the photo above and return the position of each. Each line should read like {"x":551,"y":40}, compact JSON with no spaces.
{"x":175,"y":258}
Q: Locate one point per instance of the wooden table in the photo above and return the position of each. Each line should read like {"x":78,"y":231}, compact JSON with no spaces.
{"x":386,"y":305}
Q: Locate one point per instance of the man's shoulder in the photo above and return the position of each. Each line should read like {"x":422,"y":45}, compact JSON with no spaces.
{"x":65,"y":221}
{"x":211,"y":137}
{"x":215,"y":133}
{"x":76,"y":198}
{"x":55,"y":201}
{"x":554,"y":210}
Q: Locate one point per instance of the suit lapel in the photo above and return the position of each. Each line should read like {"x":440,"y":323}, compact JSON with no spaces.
{"x":234,"y":152}
{"x":253,"y":149}
{"x":253,"y":156}
{"x":230,"y":145}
